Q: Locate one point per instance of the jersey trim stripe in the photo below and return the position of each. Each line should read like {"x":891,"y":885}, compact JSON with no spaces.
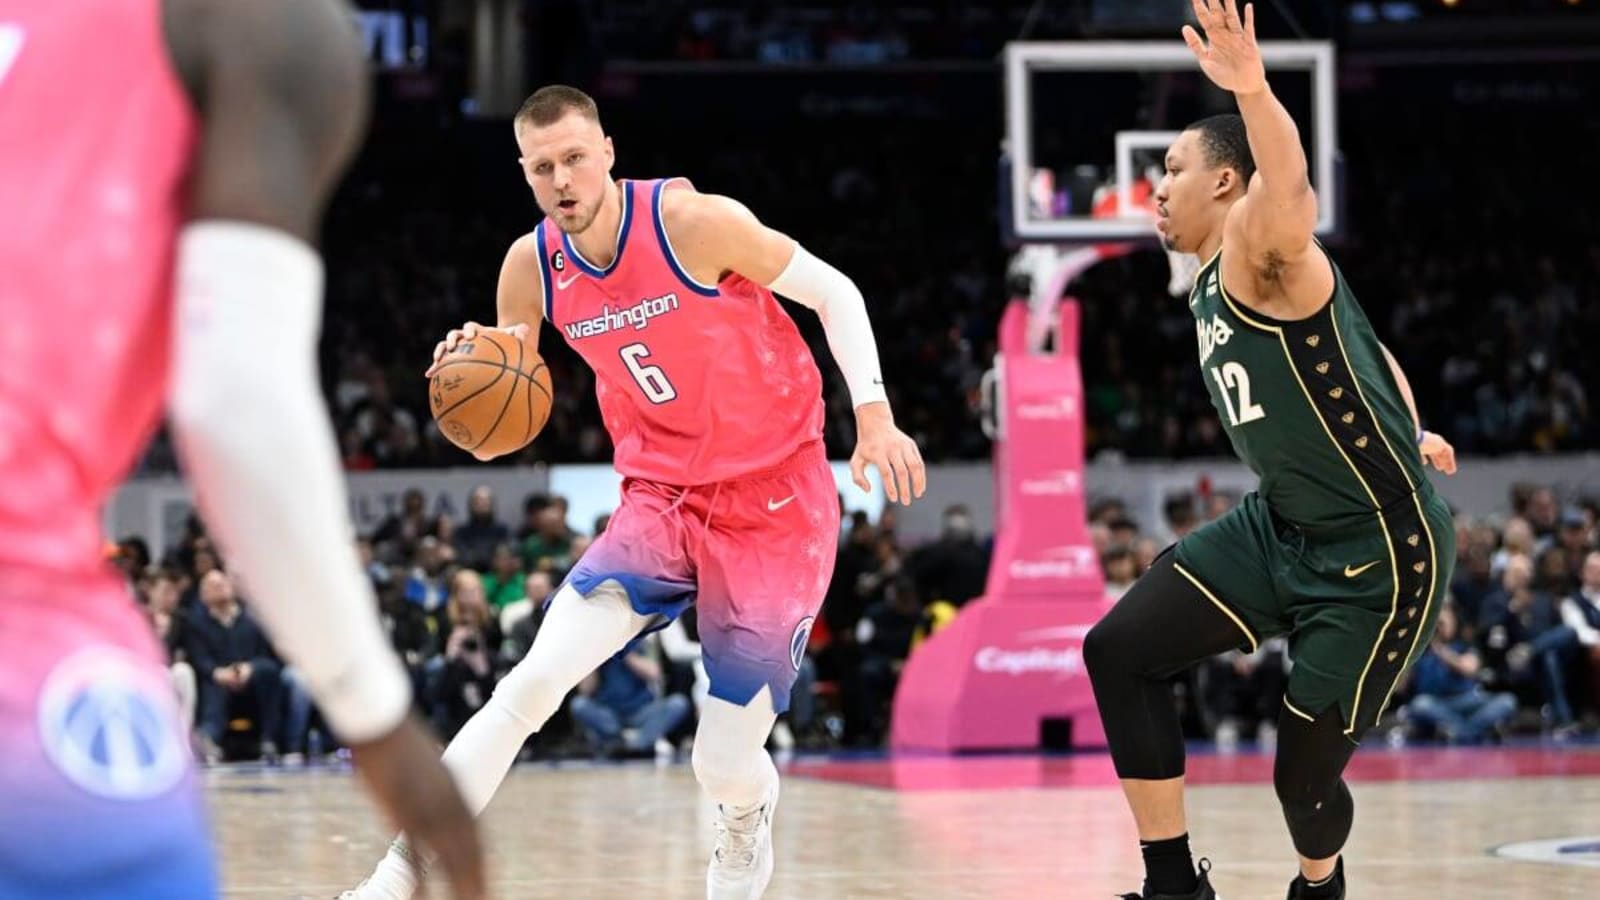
{"x":1296,"y":710}
{"x":666,"y":244}
{"x":1427,"y":530}
{"x":1388,"y":539}
{"x":1249,"y":636}
{"x":544,"y":274}
{"x":622,"y":237}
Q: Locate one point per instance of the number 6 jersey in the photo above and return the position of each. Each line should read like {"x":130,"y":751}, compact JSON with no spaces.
{"x":697,"y":383}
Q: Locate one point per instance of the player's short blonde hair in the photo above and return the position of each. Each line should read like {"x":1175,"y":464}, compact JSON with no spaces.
{"x":548,"y":104}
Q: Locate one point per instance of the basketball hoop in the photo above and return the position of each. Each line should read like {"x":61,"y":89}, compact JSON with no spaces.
{"x":1050,"y":269}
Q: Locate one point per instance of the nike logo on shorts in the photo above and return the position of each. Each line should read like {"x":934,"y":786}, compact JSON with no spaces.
{"x":775,"y":505}
{"x":1353,"y":572}
{"x":564,"y":283}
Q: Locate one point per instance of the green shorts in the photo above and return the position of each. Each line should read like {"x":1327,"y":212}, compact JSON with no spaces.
{"x":1358,"y":605}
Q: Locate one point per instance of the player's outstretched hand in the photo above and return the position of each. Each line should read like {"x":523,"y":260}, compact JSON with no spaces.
{"x":879,"y":443}
{"x":466,"y":333}
{"x":403,"y":771}
{"x":1228,"y":54}
{"x":1437,"y":452}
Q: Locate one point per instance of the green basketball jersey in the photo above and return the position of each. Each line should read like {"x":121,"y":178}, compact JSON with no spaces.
{"x":1310,"y":406}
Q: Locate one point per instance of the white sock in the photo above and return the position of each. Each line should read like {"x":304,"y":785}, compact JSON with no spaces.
{"x":579,"y":633}
{"x":730,"y":752}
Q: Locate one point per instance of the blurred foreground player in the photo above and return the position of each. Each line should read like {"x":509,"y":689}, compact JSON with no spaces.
{"x":1345,"y":547}
{"x":163,"y":168}
{"x":714,"y":404}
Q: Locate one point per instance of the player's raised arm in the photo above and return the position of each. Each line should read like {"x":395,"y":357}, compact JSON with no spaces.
{"x":1279,"y":210}
{"x":281,"y":92}
{"x":715,"y":235}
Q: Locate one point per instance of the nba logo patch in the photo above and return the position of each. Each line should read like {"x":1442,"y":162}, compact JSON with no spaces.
{"x":109,"y":722}
{"x":1211,"y":285}
{"x":798,"y":641}
{"x":558,"y":261}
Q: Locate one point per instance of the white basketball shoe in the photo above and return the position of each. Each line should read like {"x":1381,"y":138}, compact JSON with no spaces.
{"x":741,"y":862}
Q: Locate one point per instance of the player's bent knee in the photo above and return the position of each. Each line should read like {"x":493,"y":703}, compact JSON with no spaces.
{"x":1319,"y":828}
{"x":1104,"y":649}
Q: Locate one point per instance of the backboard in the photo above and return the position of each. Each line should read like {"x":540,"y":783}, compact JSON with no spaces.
{"x":1088,"y":124}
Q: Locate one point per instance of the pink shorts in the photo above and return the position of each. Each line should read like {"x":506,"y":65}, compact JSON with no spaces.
{"x":754,"y":554}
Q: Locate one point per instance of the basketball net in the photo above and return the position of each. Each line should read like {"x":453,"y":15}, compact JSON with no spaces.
{"x":1052,"y":268}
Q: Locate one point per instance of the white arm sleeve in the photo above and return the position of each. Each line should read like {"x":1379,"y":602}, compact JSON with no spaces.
{"x":250,"y":420}
{"x":811,"y":282}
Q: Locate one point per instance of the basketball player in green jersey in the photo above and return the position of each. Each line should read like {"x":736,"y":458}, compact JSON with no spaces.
{"x":1344,"y":547}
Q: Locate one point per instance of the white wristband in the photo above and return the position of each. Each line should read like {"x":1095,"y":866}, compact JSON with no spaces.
{"x":811,"y":282}
{"x":248,"y":412}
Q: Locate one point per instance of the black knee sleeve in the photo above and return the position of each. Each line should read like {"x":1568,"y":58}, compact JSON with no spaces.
{"x":1160,"y":627}
{"x":1316,"y":802}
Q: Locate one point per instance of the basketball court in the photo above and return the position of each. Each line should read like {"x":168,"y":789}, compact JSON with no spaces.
{"x":1430,"y":824}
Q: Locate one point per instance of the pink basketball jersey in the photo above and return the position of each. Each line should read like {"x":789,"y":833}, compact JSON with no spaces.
{"x":95,"y":139}
{"x":697,"y":383}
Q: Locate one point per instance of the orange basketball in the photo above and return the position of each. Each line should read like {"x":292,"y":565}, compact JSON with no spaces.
{"x":490,"y":395}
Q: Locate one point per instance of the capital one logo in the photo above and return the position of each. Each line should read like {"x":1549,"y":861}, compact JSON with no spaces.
{"x":1055,"y":409}
{"x":1071,"y":561}
{"x":1061,"y":483}
{"x":1032,"y":657}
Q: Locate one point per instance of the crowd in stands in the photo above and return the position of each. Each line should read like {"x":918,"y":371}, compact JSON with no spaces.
{"x":1517,"y":649}
{"x":1485,"y":293}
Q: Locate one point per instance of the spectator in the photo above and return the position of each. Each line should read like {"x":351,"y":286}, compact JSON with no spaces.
{"x":504,"y":583}
{"x":460,"y":681}
{"x":1121,"y":568}
{"x":1575,"y":540}
{"x":232,"y":661}
{"x":161,"y":605}
{"x":520,"y":621}
{"x":620,"y":706}
{"x":1581,"y":613}
{"x":1145,"y":551}
{"x":1523,"y":636}
{"x":549,"y":548}
{"x":1469,"y":586}
{"x":477,"y":537}
{"x":397,"y":536}
{"x":532,"y":505}
{"x":1180,"y":515}
{"x":1516,"y":538}
{"x":884,"y":635}
{"x":954,"y":567}
{"x":424,"y":584}
{"x":1448,"y":698}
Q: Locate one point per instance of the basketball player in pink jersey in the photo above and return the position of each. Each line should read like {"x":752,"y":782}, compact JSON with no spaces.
{"x":163,"y":167}
{"x":714,"y":404}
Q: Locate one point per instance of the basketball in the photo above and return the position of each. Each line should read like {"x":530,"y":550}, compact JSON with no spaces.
{"x":491,"y":394}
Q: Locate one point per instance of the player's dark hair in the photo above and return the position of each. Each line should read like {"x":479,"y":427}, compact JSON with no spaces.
{"x":1225,"y":143}
{"x":549,"y":103}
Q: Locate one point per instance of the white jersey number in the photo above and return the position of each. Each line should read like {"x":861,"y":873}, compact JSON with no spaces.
{"x":651,"y":379}
{"x":1232,"y":376}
